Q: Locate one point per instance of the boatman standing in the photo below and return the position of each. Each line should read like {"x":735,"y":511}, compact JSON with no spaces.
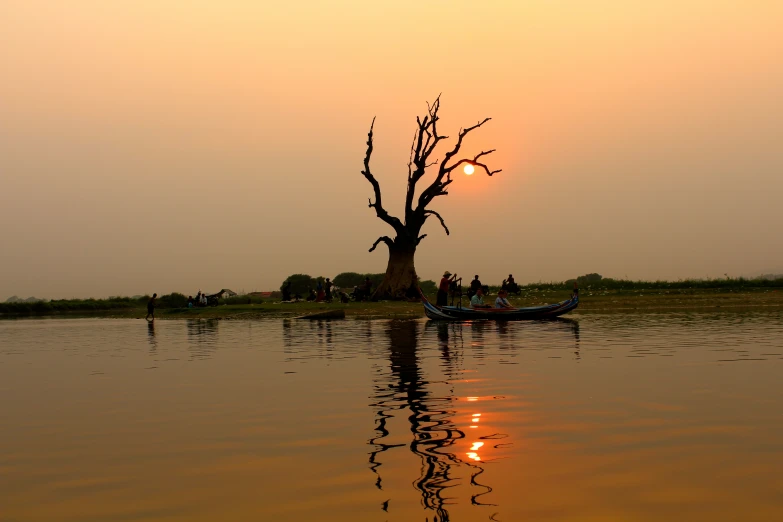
{"x":443,"y":288}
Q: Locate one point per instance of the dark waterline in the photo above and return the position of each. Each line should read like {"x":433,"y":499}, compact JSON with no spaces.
{"x":643,"y":417}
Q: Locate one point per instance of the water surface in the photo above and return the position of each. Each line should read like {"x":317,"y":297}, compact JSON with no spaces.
{"x":613,"y":417}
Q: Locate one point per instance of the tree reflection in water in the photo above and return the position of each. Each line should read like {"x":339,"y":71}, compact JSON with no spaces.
{"x":431,"y":418}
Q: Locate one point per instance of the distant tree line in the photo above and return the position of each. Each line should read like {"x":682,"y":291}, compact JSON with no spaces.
{"x":55,"y":306}
{"x":598,"y":282}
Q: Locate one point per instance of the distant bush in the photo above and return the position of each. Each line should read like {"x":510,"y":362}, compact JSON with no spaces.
{"x":351,"y":279}
{"x":172,"y":300}
{"x":300,"y":283}
{"x":588,"y":279}
{"x":243,"y":299}
{"x":70,"y":305}
{"x":428,"y":287}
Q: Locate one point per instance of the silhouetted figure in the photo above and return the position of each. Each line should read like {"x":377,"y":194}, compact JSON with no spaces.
{"x":367,"y":288}
{"x":287,"y":291}
{"x":311,"y":295}
{"x":190,"y":301}
{"x":512,"y":285}
{"x":328,"y":290}
{"x":151,"y":307}
{"x":474,"y":286}
{"x":443,"y":288}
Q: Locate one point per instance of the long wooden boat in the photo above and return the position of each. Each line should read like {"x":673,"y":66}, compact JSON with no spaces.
{"x":458,"y":313}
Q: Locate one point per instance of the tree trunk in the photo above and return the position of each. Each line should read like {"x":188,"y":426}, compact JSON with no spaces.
{"x":400,"y":280}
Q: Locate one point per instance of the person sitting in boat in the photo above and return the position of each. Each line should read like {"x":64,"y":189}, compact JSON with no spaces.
{"x":502,"y":300}
{"x":474,"y":286}
{"x":443,"y":288}
{"x":477,"y":301}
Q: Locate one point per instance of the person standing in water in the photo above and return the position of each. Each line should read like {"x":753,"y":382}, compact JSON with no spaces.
{"x":151,"y":307}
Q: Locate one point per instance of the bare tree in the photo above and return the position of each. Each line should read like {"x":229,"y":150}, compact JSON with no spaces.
{"x":401,"y":279}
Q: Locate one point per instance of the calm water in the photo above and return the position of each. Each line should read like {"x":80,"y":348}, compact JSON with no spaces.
{"x":615,"y":417}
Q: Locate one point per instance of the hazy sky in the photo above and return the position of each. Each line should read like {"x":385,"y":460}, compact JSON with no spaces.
{"x":171,"y":145}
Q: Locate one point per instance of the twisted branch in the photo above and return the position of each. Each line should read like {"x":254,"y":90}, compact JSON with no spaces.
{"x":379,"y":210}
{"x":421,"y":151}
{"x":443,"y":223}
{"x":475,"y":162}
{"x":385,"y":239}
{"x":444,"y":171}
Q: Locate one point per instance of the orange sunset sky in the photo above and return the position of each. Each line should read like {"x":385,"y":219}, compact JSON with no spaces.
{"x":173,"y":145}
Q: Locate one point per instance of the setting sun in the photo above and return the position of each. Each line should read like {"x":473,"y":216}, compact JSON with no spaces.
{"x":469,"y":169}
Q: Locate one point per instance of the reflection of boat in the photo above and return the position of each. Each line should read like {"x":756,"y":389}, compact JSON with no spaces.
{"x":457,"y":313}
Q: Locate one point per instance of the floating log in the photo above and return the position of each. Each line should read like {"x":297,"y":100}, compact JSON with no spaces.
{"x":328,"y":314}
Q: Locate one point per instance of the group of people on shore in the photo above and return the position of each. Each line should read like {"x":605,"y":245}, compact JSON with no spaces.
{"x":200,"y":300}
{"x":476,"y":291}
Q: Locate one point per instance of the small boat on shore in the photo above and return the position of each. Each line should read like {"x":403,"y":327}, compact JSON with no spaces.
{"x":458,"y":313}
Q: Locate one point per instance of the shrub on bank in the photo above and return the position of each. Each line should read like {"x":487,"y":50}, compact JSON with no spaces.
{"x":172,"y":300}
{"x":300,"y":283}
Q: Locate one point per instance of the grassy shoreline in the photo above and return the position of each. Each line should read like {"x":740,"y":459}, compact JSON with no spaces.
{"x":591,"y":301}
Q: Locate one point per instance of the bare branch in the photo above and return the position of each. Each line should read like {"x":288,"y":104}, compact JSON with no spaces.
{"x":443,"y":223}
{"x":410,"y":159}
{"x":379,"y":210}
{"x":418,"y":239}
{"x":475,"y":163}
{"x":385,"y":239}
{"x":483,"y":153}
{"x":422,"y":151}
{"x":436,"y":188}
